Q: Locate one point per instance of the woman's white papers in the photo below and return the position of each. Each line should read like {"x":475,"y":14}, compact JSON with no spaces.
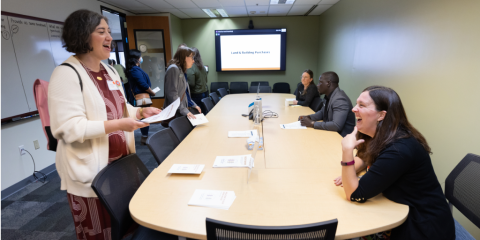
{"x":199,"y":119}
{"x":167,"y":113}
{"x":212,"y":198}
{"x":241,"y":134}
{"x":187,"y":168}
{"x":239,"y":161}
{"x":294,"y":125}
{"x":155,"y":90}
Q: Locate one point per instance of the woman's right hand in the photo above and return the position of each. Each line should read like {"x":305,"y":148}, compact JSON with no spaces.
{"x":338,"y":181}
{"x":124,"y":124}
{"x":191,"y":116}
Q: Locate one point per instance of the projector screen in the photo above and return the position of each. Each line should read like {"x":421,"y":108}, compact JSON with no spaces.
{"x":250,"y":49}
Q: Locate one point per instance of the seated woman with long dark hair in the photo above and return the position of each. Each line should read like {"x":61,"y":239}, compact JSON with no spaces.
{"x":399,"y":166}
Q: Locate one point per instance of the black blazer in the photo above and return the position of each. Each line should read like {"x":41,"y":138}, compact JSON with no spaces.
{"x":306,"y":99}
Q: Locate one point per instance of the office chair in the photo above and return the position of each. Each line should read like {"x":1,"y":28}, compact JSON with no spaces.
{"x":296,"y":89}
{"x":262,"y":83}
{"x":217,"y":230}
{"x":223,"y":92}
{"x":263,"y":89}
{"x":281,"y":87}
{"x":181,"y":126}
{"x":316,"y":104}
{"x":215,"y":98}
{"x":115,"y":185}
{"x":238,"y":87}
{"x":214,"y":86}
{"x":463,"y":191}
{"x":207,"y":102}
{"x":162,"y":143}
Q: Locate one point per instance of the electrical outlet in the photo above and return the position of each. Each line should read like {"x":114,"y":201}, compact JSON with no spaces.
{"x":35,"y":143}
{"x":22,"y":150}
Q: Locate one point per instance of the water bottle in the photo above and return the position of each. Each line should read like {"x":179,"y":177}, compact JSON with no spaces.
{"x":256,"y":115}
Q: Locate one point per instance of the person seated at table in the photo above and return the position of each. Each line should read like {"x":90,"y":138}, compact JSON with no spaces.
{"x":306,"y":90}
{"x":336,"y":112}
{"x":399,"y":166}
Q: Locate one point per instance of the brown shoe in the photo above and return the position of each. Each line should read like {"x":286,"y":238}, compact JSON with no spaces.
{"x":143,"y":141}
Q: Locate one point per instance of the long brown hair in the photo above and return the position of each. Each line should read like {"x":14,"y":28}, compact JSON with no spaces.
{"x":179,"y":57}
{"x":394,"y":126}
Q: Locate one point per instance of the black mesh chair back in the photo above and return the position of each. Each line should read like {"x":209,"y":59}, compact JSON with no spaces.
{"x":296,"y":89}
{"x":207,"y":102}
{"x":223,"y":92}
{"x":217,"y":230}
{"x":262,"y":83}
{"x":215,"y":98}
{"x":181,"y":126}
{"x":238,"y":87}
{"x":263,"y":89}
{"x":115,"y":185}
{"x":462,"y":188}
{"x":162,"y":143}
{"x":316,"y":104}
{"x":281,"y":87}
{"x":214,"y":86}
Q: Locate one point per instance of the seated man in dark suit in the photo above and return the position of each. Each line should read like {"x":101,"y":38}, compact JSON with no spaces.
{"x":336,"y":113}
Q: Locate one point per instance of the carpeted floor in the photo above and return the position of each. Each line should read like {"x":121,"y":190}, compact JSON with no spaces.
{"x":41,"y":211}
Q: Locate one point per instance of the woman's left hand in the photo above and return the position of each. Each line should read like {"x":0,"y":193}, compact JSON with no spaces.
{"x":150,"y":111}
{"x":295,"y":102}
{"x":350,"y":141}
{"x":198,"y":109}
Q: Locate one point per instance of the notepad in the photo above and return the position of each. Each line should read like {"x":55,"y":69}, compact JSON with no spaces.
{"x":241,"y":134}
{"x":239,"y":161}
{"x":294,"y":125}
{"x":212,"y":198}
{"x":187,"y":168}
{"x":199,"y":119}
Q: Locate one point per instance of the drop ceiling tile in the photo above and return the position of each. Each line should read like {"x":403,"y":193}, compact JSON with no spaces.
{"x":146,"y":11}
{"x":159,"y":5}
{"x":232,"y":3}
{"x":236,"y":11}
{"x":178,"y":13}
{"x":281,"y":10}
{"x":207,"y":3}
{"x":182,"y":3}
{"x":259,"y":10}
{"x":328,"y":1}
{"x":299,"y":9}
{"x":130,"y":5}
{"x":194,"y":12}
{"x":320,"y":9}
{"x":259,"y":2}
{"x":306,"y":2}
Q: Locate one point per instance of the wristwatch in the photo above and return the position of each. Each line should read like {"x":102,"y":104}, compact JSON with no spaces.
{"x":141,"y":113}
{"x":347,"y":163}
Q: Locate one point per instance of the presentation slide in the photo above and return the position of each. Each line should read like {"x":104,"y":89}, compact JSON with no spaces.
{"x":250,"y":49}
{"x":250,"y":52}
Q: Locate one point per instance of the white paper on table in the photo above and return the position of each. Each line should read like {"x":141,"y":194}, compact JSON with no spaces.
{"x":187,"y":168}
{"x":212,"y":198}
{"x":241,"y":134}
{"x":166,"y":113}
{"x":290,"y":99}
{"x":155,"y":90}
{"x":294,"y":125}
{"x":200,"y":119}
{"x":239,"y":161}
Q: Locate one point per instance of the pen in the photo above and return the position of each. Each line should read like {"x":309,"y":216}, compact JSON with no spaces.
{"x":283,"y":126}
{"x":251,"y":133}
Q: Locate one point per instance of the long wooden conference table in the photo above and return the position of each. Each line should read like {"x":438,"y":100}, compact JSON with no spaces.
{"x":291,"y":183}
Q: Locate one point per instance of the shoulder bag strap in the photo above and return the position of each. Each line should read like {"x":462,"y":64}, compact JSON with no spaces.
{"x":79,"y":78}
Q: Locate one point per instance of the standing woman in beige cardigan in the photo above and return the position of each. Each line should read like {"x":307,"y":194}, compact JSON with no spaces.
{"x":88,"y":120}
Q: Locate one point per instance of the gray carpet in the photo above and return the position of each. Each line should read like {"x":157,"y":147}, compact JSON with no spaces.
{"x":41,"y":211}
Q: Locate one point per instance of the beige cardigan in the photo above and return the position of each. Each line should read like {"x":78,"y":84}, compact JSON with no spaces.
{"x":77,"y":121}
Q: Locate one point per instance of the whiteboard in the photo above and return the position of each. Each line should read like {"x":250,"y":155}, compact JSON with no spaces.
{"x":32,"y":52}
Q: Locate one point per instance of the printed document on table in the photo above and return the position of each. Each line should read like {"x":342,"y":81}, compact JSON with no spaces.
{"x":166,"y":113}
{"x":212,"y":198}
{"x":241,"y":134}
{"x":290,"y":99}
{"x":294,"y":125}
{"x":239,"y":161}
{"x":155,"y":90}
{"x":187,"y":168}
{"x":200,"y":119}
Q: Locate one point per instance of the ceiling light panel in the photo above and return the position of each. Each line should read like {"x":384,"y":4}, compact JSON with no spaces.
{"x":222,"y":12}
{"x":209,"y":13}
{"x":194,"y":12}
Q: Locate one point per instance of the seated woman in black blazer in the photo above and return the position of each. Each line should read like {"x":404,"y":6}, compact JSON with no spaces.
{"x":306,"y":90}
{"x":399,"y":166}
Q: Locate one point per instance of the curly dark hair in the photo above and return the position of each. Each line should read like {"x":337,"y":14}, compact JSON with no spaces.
{"x":77,"y":29}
